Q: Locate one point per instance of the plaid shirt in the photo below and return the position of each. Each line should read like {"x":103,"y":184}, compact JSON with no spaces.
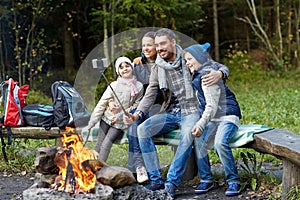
{"x":180,"y":103}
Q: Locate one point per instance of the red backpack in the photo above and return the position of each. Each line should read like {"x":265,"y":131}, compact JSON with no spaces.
{"x":14,"y":98}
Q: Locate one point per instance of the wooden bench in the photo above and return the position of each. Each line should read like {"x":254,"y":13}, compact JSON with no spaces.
{"x":284,"y":145}
{"x":280,"y":143}
{"x":35,"y":133}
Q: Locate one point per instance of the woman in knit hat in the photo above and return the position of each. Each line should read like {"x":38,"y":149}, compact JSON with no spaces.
{"x":129,"y":91}
{"x":219,"y":121}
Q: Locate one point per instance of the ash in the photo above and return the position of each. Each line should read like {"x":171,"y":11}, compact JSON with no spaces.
{"x":102,"y":192}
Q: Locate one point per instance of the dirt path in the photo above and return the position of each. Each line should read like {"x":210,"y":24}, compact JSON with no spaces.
{"x":11,"y":187}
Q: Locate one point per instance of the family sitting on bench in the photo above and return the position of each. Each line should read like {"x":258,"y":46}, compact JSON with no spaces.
{"x":196,"y":102}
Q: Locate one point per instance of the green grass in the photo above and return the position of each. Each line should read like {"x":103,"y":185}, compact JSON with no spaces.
{"x":119,"y":155}
{"x":21,"y":155}
{"x":270,"y":98}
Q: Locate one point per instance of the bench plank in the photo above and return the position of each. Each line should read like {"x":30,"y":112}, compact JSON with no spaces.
{"x":278,"y":142}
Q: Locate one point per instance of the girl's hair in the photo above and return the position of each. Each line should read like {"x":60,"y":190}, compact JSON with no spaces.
{"x":150,"y":34}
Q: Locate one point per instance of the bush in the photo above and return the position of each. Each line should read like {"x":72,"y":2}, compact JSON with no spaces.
{"x":37,"y":97}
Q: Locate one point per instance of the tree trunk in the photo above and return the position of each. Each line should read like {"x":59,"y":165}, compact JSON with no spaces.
{"x":259,"y":30}
{"x":297,"y":16}
{"x":216,"y":30}
{"x":17,"y":48}
{"x":278,"y":28}
{"x":68,"y":48}
{"x":289,"y":31}
{"x":2,"y":47}
{"x":105,"y":33}
{"x":113,"y":33}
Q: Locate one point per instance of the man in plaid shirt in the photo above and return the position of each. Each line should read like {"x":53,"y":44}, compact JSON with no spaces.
{"x":179,"y":111}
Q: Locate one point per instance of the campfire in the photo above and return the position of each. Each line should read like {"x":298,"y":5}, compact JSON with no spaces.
{"x":76,"y":167}
{"x":71,"y":171}
{"x":74,"y":177}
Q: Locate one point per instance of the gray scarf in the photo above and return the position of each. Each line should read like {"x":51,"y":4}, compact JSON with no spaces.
{"x":179,"y":62}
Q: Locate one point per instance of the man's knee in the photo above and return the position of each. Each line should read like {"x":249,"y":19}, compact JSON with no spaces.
{"x":141,"y":131}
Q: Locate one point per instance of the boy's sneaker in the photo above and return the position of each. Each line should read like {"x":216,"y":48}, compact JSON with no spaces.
{"x":170,"y":189}
{"x":155,"y":186}
{"x":234,"y":189}
{"x":204,"y":187}
{"x":141,"y":174}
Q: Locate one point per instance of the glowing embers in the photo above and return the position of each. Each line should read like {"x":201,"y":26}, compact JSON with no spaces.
{"x":73,"y":176}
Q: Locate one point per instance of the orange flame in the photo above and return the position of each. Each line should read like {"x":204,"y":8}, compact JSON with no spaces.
{"x":85,"y":179}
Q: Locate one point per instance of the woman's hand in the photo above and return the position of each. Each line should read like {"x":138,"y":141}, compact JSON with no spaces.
{"x":196,"y":131}
{"x":211,"y":78}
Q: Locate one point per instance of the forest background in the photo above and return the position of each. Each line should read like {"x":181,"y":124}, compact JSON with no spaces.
{"x":43,"y":41}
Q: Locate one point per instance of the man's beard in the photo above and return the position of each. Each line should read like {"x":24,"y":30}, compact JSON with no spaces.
{"x":168,"y":54}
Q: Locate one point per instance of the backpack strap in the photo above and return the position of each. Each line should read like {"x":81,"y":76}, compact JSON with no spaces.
{"x":9,"y":135}
{"x":2,"y":140}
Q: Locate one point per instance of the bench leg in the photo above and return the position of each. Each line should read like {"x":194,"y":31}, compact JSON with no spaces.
{"x":58,"y":142}
{"x":191,"y":168}
{"x":291,"y":176}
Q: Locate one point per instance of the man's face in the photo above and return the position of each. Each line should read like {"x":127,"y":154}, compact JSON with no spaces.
{"x":165,"y":48}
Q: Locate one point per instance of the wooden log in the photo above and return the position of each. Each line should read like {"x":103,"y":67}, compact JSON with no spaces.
{"x":34,"y":132}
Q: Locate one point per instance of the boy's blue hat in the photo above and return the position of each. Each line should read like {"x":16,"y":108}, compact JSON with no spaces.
{"x":199,"y":51}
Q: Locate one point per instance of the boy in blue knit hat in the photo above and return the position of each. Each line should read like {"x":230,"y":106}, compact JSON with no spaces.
{"x":220,"y":114}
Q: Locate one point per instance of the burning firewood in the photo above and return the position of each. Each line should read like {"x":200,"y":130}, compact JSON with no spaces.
{"x":94,"y":165}
{"x":74,"y":176}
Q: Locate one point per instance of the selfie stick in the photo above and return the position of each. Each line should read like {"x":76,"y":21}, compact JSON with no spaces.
{"x":104,"y":64}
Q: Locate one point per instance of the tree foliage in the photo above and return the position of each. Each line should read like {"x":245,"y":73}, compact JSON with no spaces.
{"x":38,"y":37}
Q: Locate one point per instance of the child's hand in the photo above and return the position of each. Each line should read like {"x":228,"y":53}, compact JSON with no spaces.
{"x":114,"y":120}
{"x":114,"y":107}
{"x":130,"y":120}
{"x":196,"y":131}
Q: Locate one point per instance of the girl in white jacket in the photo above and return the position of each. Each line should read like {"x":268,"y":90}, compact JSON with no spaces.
{"x":129,"y":91}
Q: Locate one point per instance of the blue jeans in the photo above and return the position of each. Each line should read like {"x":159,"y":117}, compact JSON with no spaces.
{"x":218,"y":136}
{"x":135,"y":158}
{"x":160,"y":124}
